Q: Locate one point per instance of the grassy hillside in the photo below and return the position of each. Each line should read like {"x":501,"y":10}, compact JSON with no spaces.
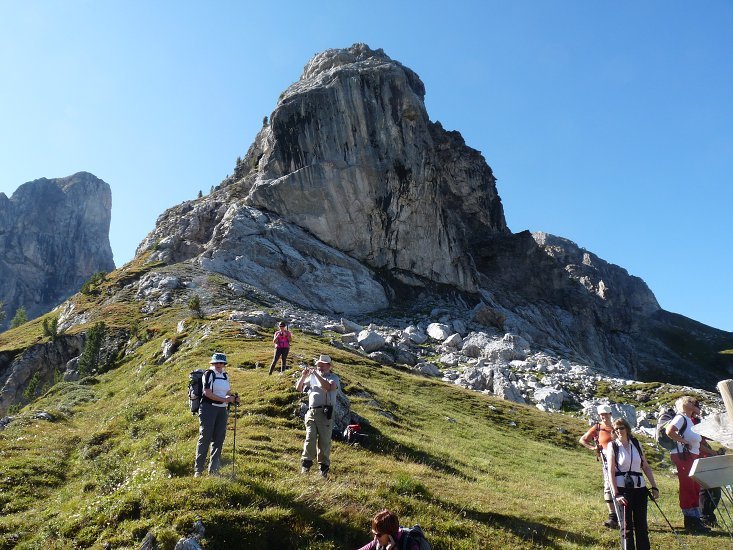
{"x":474,"y":471}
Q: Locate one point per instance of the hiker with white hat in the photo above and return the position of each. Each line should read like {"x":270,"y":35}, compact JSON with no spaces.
{"x":213,"y":414}
{"x":321,"y":385}
{"x":597,"y":439}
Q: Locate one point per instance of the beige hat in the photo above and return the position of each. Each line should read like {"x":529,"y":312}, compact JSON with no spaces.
{"x":324,"y":359}
{"x":602,"y":409}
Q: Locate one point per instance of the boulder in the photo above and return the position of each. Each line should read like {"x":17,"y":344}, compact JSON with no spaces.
{"x":382,"y":358}
{"x":453,"y":341}
{"x":350,"y":326}
{"x":474,"y":344}
{"x":438,"y":331}
{"x":404,"y":356}
{"x":505,"y":389}
{"x":415,"y":335}
{"x":370,"y":341}
{"x":349,"y":338}
{"x":260,"y":318}
{"x":428,"y":369}
{"x":549,"y":399}
{"x":451,"y":359}
{"x":459,"y":326}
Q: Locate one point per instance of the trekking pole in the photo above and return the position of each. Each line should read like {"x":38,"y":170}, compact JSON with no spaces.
{"x":622,"y":526}
{"x":676,"y":534}
{"x":620,"y":511}
{"x":726,"y":495}
{"x":234,"y":446}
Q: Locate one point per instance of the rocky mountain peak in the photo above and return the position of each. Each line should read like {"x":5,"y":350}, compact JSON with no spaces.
{"x":54,"y":234}
{"x":349,"y":62}
{"x":351,"y":155}
{"x":350,"y":199}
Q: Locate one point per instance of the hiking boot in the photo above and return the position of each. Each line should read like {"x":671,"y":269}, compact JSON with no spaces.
{"x":197,"y":474}
{"x":710,"y":521}
{"x":304,"y":469}
{"x":324,"y":474}
{"x":611,"y":522}
{"x":695,"y":525}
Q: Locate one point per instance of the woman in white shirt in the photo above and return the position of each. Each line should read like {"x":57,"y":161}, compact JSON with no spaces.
{"x":626,"y":462}
{"x":213,"y":415}
{"x":687,"y":450}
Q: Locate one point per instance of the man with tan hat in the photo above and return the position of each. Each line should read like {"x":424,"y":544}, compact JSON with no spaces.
{"x":596,"y":439}
{"x":321,"y":385}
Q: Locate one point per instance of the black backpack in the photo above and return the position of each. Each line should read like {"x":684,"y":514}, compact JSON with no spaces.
{"x":414,"y":535}
{"x":663,"y":420}
{"x":196,"y":389}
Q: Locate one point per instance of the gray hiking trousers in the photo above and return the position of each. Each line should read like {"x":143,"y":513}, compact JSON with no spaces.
{"x":212,"y":431}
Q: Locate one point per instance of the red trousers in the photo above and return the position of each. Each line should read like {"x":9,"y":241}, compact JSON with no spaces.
{"x":689,"y":489}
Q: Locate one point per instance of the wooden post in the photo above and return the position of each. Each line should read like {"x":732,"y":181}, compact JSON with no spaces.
{"x":725,"y":387}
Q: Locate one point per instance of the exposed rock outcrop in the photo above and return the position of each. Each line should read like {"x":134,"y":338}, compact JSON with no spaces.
{"x":351,"y":200}
{"x":54,"y":234}
{"x":351,"y":155}
{"x":24,"y":374}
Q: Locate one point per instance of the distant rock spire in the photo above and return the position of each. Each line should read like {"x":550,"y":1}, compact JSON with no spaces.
{"x":54,"y":234}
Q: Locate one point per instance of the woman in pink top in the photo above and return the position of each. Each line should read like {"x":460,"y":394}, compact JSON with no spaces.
{"x":282,"y":340}
{"x":387,"y":533}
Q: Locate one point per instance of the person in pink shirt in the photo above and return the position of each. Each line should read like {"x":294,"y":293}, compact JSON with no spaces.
{"x":281,"y":339}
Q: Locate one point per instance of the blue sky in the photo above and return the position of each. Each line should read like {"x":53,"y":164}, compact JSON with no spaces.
{"x":608,"y":123}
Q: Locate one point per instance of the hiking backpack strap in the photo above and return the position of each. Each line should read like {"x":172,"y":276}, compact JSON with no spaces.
{"x":684,"y":426}
{"x":680,"y":432}
{"x":207,"y":382}
{"x":636,"y":444}
{"x":638,"y":447}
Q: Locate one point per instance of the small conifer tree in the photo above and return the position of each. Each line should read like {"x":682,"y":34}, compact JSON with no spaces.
{"x":194,"y":304}
{"x":20,"y":318}
{"x":51,"y":328}
{"x":92,"y":359}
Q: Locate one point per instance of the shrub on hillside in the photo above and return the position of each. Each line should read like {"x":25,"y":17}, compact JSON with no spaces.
{"x":93,"y":282}
{"x":51,"y":328}
{"x":95,"y":358}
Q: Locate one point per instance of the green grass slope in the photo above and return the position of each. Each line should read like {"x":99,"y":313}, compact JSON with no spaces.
{"x":474,"y":471}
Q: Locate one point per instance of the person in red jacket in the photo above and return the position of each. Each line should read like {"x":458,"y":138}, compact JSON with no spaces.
{"x":281,"y":339}
{"x":709,"y":498}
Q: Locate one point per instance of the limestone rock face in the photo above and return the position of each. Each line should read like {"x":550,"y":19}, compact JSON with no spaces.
{"x":351,"y":155}
{"x":260,"y":249}
{"x":42,"y":361}
{"x":351,"y":200}
{"x":54,"y":234}
{"x":611,"y":283}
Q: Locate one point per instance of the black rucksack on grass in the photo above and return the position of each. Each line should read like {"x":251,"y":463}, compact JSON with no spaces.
{"x":414,"y":535}
{"x":663,"y":420}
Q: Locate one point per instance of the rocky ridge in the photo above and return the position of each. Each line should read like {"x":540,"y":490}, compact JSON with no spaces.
{"x":436,"y":339}
{"x":350,"y":201}
{"x":54,"y":234}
